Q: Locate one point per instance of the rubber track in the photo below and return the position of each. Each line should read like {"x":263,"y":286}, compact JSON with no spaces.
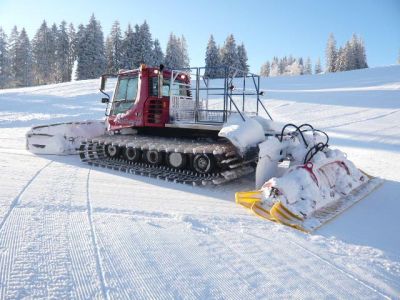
{"x":92,"y":153}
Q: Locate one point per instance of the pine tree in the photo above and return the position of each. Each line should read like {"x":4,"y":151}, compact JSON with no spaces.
{"x":301,"y":65}
{"x":176,"y":56}
{"x":274,"y":69}
{"x":355,"y":53}
{"x":145,"y":45}
{"x":72,"y":41}
{"x":79,"y":50}
{"x":23,"y":60}
{"x":350,"y":56}
{"x":318,"y":69}
{"x":265,"y":69}
{"x":158,"y":55}
{"x":128,"y":49}
{"x":242,"y":57}
{"x":212,"y":59}
{"x":172,"y":52}
{"x":114,"y":49}
{"x":229,"y":55}
{"x":294,"y":68}
{"x":63,"y":72}
{"x":308,"y":67}
{"x":362,"y":56}
{"x":91,"y":55}
{"x":339,"y":60}
{"x":183,"y":49}
{"x":43,"y":54}
{"x":13,"y":45}
{"x":282,"y":65}
{"x":331,"y":54}
{"x":4,"y":61}
{"x":136,"y":47}
{"x":53,"y":52}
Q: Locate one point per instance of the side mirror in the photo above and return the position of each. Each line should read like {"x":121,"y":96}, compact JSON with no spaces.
{"x":105,"y":100}
{"x":103,"y":80}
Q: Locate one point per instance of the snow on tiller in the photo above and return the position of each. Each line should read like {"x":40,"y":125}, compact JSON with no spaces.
{"x":302,"y":182}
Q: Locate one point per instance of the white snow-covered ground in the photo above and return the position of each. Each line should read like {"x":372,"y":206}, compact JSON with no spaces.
{"x":70,"y":231}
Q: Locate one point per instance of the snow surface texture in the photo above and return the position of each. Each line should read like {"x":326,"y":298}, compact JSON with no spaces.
{"x":69,"y":231}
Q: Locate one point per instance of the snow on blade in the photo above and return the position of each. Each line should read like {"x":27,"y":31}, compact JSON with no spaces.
{"x":62,"y":138}
{"x":242,"y":134}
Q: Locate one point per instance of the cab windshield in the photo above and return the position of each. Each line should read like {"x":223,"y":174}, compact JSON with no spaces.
{"x":179,"y":88}
{"x":125,"y":95}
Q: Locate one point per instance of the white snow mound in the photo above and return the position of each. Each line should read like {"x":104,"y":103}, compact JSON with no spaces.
{"x":243,"y":134}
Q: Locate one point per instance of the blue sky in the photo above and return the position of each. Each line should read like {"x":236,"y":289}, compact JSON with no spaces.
{"x":267,"y":28}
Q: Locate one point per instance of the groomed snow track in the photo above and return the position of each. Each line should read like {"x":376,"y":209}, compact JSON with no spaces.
{"x":93,"y":152}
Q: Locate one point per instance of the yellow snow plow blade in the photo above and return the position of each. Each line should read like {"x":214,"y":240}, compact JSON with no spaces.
{"x":251,"y":200}
{"x":284,"y":216}
{"x":277,"y":212}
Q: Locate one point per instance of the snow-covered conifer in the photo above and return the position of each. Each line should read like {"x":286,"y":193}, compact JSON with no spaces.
{"x":23,"y":61}
{"x":144,"y":45}
{"x":176,"y":56}
{"x":158,"y":55}
{"x":183,"y":49}
{"x":43,"y":54}
{"x":307,"y":67}
{"x":242,"y":57}
{"x":128,"y":49}
{"x":300,"y":61}
{"x":229,"y":55}
{"x":282,"y":65}
{"x":53,"y":52}
{"x":361,"y":54}
{"x":12,"y":51}
{"x":341,"y":61}
{"x":63,"y":72}
{"x":4,"y":61}
{"x":91,"y":56}
{"x":212,"y":59}
{"x":350,"y":55}
{"x":114,"y":49}
{"x":274,"y":68}
{"x":72,"y":41}
{"x":318,"y":68}
{"x":294,"y":69}
{"x":331,"y":54}
{"x":172,"y":52}
{"x":265,"y":69}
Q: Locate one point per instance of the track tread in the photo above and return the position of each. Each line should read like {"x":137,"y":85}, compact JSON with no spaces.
{"x":92,"y":152}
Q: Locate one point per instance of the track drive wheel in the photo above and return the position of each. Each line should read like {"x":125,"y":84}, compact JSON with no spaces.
{"x":112,"y":151}
{"x":176,"y":160}
{"x":132,"y":154}
{"x":203,"y":163}
{"x":153,"y":157}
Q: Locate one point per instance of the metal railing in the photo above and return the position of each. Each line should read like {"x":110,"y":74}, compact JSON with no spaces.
{"x":213,"y":94}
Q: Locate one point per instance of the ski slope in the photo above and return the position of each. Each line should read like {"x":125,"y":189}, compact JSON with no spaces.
{"x":70,"y":231}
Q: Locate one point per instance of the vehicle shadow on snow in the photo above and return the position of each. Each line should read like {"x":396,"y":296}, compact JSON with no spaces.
{"x":224,"y":192}
{"x":362,"y":224}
